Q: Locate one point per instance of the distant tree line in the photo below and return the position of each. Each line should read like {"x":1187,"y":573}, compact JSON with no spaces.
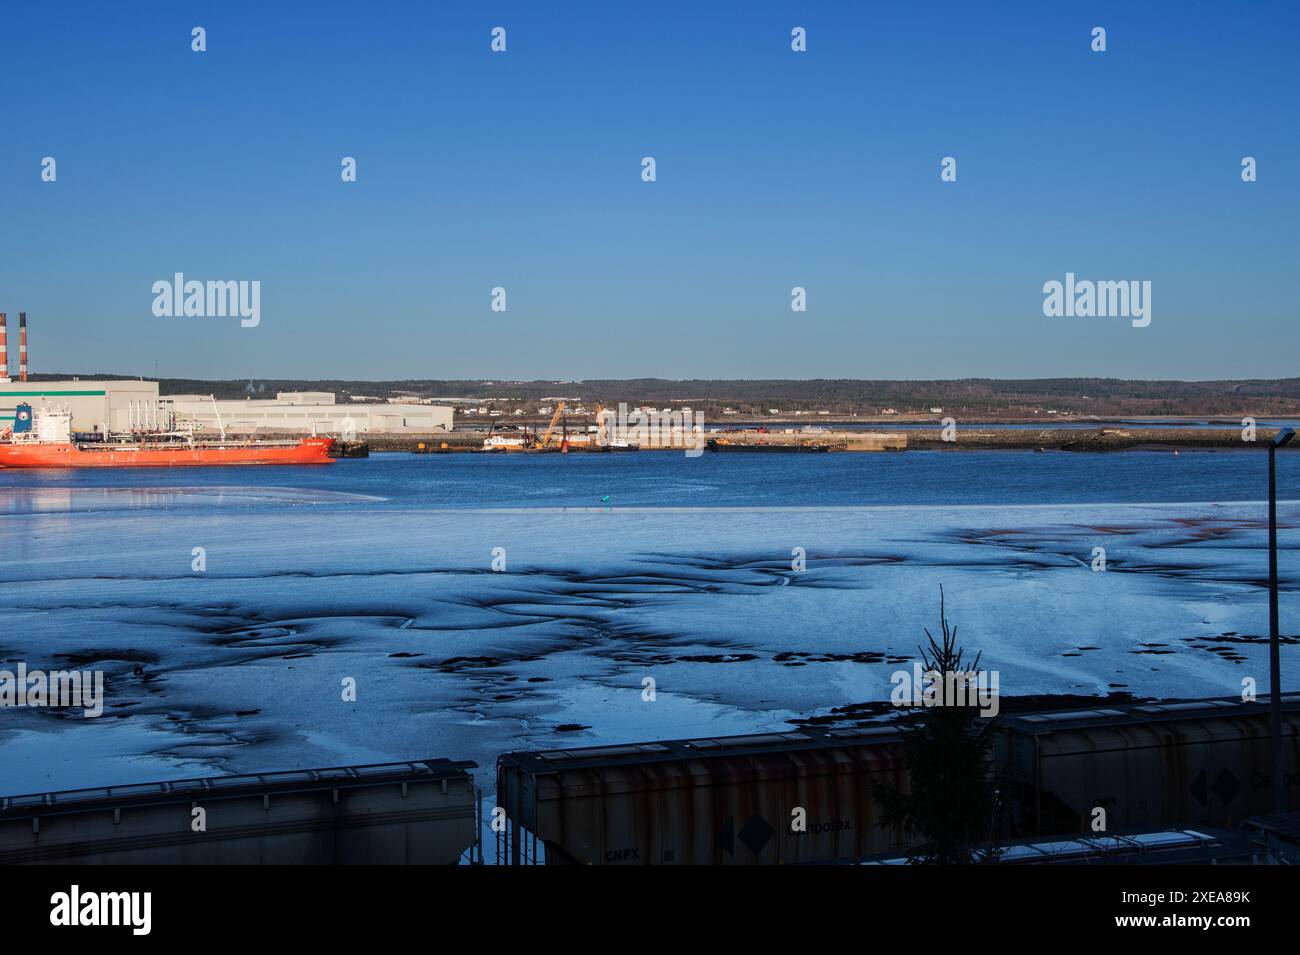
{"x":969,"y":396}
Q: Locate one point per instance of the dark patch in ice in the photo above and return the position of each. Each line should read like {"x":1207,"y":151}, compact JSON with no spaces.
{"x":876,"y":712}
{"x":265,"y":640}
{"x":861,"y":656}
{"x":455,"y":664}
{"x":1061,"y":546}
{"x":1221,"y":646}
{"x":851,"y":713}
{"x":1247,"y":638}
{"x":85,"y":658}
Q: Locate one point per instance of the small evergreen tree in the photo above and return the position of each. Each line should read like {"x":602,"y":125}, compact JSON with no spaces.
{"x":948,"y":809}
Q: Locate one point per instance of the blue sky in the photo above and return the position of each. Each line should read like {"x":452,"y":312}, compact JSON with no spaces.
{"x":775,"y":169}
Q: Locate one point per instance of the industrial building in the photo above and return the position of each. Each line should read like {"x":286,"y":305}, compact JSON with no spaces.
{"x":118,"y":406}
{"x":307,"y":411}
{"x":96,"y":406}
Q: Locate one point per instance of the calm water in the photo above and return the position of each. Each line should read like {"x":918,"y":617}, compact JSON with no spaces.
{"x":667,"y":479}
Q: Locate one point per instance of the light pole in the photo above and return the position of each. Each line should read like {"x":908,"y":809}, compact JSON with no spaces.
{"x":1280,"y":440}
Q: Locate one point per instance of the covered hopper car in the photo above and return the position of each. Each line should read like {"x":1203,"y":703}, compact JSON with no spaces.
{"x":424,"y":811}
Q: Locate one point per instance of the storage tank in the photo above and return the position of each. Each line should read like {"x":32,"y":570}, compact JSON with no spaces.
{"x":729,"y":800}
{"x":416,"y":812}
{"x":1203,"y":762}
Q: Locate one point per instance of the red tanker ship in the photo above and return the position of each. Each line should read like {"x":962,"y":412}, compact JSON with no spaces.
{"x":45,"y":440}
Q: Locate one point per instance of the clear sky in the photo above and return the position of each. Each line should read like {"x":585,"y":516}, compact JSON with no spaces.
{"x":775,"y":169}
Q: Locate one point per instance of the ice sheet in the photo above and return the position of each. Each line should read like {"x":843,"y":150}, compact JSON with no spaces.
{"x":240,"y":667}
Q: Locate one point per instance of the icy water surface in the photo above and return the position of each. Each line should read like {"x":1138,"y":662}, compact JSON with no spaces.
{"x":616,"y":568}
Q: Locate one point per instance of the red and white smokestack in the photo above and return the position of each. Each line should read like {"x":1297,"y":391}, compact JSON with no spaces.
{"x":22,"y":346}
{"x":4,"y":348}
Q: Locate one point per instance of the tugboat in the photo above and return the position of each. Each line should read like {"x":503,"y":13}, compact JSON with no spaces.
{"x":44,"y":439}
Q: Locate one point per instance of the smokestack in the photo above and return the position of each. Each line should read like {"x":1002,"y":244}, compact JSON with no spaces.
{"x":4,"y":349}
{"x":22,"y":346}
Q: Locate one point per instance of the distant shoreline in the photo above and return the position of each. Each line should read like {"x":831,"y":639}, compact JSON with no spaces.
{"x":1044,"y":401}
{"x":1076,"y":440}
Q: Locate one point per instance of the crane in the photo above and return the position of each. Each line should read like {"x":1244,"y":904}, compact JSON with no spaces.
{"x":550,"y":430}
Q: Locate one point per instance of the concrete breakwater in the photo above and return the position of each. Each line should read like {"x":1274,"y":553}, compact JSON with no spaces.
{"x":833,"y":440}
{"x":924,"y":439}
{"x":1078,"y":439}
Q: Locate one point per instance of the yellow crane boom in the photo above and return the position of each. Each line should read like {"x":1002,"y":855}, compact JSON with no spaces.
{"x":559,"y":410}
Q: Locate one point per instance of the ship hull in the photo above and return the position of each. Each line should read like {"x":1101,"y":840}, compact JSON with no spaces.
{"x":68,"y":455}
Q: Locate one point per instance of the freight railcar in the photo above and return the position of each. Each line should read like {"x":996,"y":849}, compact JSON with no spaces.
{"x":425,"y":811}
{"x":1196,"y":762}
{"x":790,"y":797}
{"x":732,"y":800}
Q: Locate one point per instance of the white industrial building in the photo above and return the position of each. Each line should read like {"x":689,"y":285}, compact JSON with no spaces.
{"x":127,"y":405}
{"x":95,"y":405}
{"x":308,"y":411}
